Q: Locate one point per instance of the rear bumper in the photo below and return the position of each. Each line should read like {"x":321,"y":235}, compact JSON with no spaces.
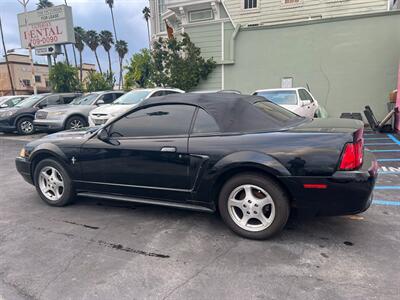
{"x":24,"y":168}
{"x":48,"y":125}
{"x":346,"y":192}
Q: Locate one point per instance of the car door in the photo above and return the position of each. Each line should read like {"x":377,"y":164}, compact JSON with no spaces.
{"x":307,"y":104}
{"x":314,"y":103}
{"x":145,"y":157}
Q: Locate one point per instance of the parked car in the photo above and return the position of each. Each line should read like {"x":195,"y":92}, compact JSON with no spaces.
{"x":102,"y":114}
{"x":249,"y":158}
{"x":74,"y":115}
{"x":20,"y":117}
{"x":10,"y":101}
{"x":298,"y":100}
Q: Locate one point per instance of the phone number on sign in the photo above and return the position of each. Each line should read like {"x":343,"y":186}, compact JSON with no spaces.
{"x":45,"y":40}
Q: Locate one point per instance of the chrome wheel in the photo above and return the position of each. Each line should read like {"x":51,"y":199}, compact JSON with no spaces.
{"x":51,"y":183}
{"x":26,"y":127}
{"x":75,"y":124}
{"x":251,"y":208}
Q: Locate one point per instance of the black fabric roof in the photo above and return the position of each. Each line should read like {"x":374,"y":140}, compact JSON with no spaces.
{"x":232,"y":112}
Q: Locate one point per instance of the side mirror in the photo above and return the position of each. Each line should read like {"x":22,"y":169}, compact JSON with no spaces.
{"x":306,"y":102}
{"x":102,"y":135}
{"x":100,"y":102}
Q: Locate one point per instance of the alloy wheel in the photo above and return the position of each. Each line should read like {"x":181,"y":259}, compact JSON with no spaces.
{"x":75,"y":124}
{"x":251,"y":208}
{"x":27,"y":127}
{"x":51,"y":183}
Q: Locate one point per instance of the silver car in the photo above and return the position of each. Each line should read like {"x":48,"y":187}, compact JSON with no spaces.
{"x":74,"y":115}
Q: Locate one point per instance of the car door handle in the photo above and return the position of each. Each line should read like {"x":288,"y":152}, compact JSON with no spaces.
{"x":168,"y":149}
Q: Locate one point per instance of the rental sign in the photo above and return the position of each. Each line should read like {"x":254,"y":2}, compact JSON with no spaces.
{"x":49,"y":26}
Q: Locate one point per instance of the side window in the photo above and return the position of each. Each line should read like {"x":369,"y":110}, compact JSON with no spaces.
{"x":308,"y":95}
{"x":117,"y":95}
{"x":170,"y":92}
{"x":51,"y":100}
{"x":160,"y":120}
{"x":159,"y":93}
{"x":68,"y":99}
{"x":304,"y":95}
{"x":205,"y":123}
{"x":108,"y":98}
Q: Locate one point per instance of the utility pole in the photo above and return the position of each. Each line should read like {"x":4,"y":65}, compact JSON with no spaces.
{"x":6,"y":56}
{"x":24,"y":3}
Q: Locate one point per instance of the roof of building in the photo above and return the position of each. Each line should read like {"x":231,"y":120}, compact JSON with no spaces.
{"x":232,"y":112}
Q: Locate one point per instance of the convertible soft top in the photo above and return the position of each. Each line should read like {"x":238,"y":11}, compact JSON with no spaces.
{"x":233,"y":112}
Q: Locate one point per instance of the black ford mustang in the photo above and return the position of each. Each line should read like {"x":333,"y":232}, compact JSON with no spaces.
{"x":246,"y":157}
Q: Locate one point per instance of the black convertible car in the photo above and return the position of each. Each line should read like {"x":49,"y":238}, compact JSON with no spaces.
{"x":246,"y":157}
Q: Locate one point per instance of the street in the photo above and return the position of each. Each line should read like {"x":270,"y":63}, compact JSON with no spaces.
{"x":113,"y":250}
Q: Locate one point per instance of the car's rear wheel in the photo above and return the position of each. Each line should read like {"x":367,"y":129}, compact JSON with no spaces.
{"x":75,"y":122}
{"x":253,"y":206}
{"x":53,"y":183}
{"x":25,"y":126}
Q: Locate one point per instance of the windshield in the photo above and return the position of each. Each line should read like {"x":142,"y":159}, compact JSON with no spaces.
{"x":280,"y":97}
{"x":31,"y":101}
{"x":85,"y":99}
{"x":134,"y":97}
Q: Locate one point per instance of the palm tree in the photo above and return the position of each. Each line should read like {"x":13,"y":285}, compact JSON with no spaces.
{"x":79,"y":45}
{"x":44,"y":4}
{"x":107,"y":40}
{"x":110,"y":4}
{"x":92,"y":40}
{"x":122,"y":48}
{"x":146,"y":15}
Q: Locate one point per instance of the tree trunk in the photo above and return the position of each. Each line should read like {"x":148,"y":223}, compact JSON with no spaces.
{"x":109,"y":62}
{"x":113,"y":21}
{"x":98,"y":62}
{"x":66,"y":54}
{"x":76,"y":63}
{"x":120,"y":73}
{"x":148,"y":33}
{"x":80,"y":66}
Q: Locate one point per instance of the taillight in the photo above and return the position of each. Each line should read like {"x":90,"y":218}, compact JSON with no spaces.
{"x":352,"y":157}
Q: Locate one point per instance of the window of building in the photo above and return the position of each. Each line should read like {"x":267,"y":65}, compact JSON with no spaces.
{"x":26,"y":82}
{"x":160,"y":120}
{"x":200,"y":15}
{"x":250,"y":4}
{"x":38,"y":79}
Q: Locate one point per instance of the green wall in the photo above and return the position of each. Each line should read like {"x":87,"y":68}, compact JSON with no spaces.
{"x":347,"y":63}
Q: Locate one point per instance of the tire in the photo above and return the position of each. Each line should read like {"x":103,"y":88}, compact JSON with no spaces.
{"x":75,"y":122}
{"x":25,"y":126}
{"x":56,"y":175}
{"x":253,"y":206}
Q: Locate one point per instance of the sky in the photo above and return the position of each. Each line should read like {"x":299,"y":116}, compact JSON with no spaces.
{"x":89,"y":14}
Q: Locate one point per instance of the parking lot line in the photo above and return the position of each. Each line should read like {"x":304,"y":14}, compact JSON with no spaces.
{"x":379,"y":144}
{"x":387,"y":159}
{"x":387,"y":187}
{"x":388,"y":172}
{"x":394,"y":139}
{"x":378,"y":138}
{"x":388,"y":150}
{"x":385,"y":202}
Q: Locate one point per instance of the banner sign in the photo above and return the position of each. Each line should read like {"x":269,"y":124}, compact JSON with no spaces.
{"x":48,"y":26}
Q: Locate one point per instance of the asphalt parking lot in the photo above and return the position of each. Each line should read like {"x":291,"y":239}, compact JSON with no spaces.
{"x":112,"y":250}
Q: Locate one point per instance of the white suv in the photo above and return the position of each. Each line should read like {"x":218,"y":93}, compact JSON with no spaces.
{"x":103,"y":113}
{"x":298,"y":100}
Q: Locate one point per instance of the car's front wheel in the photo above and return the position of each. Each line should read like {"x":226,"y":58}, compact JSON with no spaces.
{"x":75,"y":123}
{"x":53,"y":183}
{"x":25,"y":126}
{"x":253,"y":206}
